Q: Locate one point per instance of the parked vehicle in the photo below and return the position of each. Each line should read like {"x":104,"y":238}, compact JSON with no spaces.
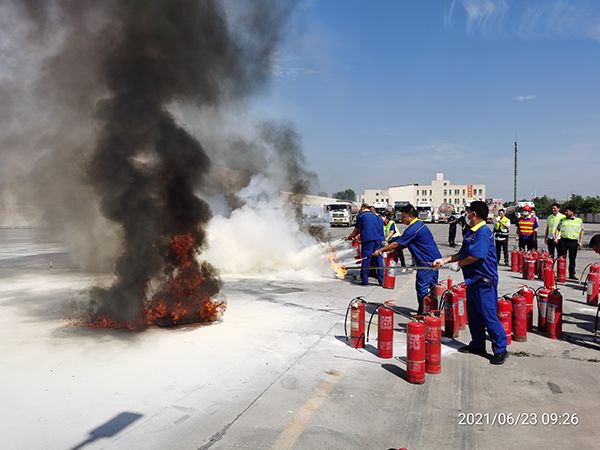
{"x":425,"y":211}
{"x":397,"y":210}
{"x":494,"y":205}
{"x":342,"y":213}
{"x":514,"y":212}
{"x":444,"y":212}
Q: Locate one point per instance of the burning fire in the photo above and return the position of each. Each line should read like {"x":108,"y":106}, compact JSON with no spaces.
{"x":185,"y":298}
{"x":339,"y":269}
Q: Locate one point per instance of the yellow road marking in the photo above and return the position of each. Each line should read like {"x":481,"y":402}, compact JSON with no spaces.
{"x":298,"y":424}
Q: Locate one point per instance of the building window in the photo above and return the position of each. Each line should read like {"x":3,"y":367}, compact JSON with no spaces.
{"x":431,"y":192}
{"x":456,"y":191}
{"x":480,"y":192}
{"x":463,"y":192}
{"x":377,"y":194}
{"x":445,"y":193}
{"x":445,"y":200}
{"x":445,"y":184}
{"x":456,"y":202}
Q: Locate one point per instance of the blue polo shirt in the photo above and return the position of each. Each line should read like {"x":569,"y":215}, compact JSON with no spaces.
{"x":420,"y":243}
{"x":479,"y":243}
{"x":370,"y":226}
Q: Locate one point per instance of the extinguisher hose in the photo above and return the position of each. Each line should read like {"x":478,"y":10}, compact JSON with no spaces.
{"x":583,"y":271}
{"x":371,"y":318}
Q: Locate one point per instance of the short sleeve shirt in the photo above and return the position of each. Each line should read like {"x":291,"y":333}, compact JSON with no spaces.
{"x":420,"y":243}
{"x":370,"y":226}
{"x":479,"y":243}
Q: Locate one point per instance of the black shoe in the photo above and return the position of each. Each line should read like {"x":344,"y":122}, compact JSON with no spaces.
{"x":499,"y":358}
{"x":574,"y":278}
{"x":506,"y":263}
{"x":469,"y":349}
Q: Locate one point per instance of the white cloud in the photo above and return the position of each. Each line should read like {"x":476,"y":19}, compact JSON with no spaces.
{"x":522,"y":98}
{"x":531,"y":18}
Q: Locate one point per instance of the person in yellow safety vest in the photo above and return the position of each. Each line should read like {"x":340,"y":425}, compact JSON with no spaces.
{"x":391,"y":232}
{"x":501,"y":228}
{"x":527,"y":226}
{"x":553,"y":221}
{"x":570,"y":231}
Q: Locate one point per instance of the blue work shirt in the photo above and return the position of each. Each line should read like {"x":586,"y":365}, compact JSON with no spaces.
{"x":479,"y":243}
{"x":420,"y":243}
{"x":370,"y":226}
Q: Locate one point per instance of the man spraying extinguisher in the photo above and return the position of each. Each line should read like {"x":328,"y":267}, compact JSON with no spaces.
{"x":477,"y":259}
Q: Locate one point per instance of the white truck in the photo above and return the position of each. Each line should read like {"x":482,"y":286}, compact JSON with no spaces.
{"x":425,"y":212}
{"x":342,"y":213}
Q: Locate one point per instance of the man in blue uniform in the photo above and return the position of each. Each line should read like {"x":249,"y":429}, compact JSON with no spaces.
{"x":370,"y":227}
{"x":421,"y":245}
{"x":477,"y":259}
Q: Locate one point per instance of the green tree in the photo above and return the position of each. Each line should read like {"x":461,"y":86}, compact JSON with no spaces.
{"x":543,"y":205}
{"x":348,"y":195}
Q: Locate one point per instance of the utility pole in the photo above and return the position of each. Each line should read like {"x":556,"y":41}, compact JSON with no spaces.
{"x":516,"y":149}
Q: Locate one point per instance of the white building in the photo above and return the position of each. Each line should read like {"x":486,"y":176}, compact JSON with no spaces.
{"x":438,"y":192}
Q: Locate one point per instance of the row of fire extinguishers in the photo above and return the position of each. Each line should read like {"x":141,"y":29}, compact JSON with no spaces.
{"x":445,"y":304}
{"x":540,"y":264}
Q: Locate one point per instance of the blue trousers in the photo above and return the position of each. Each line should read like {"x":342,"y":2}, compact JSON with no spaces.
{"x":367,"y":248}
{"x":425,"y":280}
{"x":482,"y":312}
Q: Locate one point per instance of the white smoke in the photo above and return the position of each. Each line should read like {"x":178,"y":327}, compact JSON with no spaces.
{"x":262,"y":240}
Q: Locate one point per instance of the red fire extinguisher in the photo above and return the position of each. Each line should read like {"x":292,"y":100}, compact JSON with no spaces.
{"x":389,"y":275}
{"x":433,"y":344}
{"x":542,"y":296}
{"x":554,"y":315}
{"x":519,"y":319}
{"x":548,"y":274}
{"x":514,"y":261}
{"x":385,"y":332}
{"x":356,"y":249}
{"x":451,"y":314}
{"x":593,"y":279}
{"x":528,"y":294}
{"x":561,"y":274}
{"x":521,"y":256}
{"x":415,"y":352}
{"x":439,"y":290}
{"x":529,"y":268}
{"x":462,"y":302}
{"x":357,"y":333}
{"x":429,"y":303}
{"x":505,"y":316}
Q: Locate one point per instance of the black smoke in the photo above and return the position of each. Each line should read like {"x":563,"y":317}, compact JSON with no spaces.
{"x":108,"y":73}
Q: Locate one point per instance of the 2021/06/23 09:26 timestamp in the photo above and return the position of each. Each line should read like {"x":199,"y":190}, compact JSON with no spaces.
{"x":514,"y":419}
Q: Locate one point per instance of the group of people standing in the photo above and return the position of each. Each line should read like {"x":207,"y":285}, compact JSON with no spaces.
{"x":476,"y":258}
{"x":564,"y":233}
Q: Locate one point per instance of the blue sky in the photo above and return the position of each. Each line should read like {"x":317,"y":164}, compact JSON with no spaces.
{"x":390,"y":92}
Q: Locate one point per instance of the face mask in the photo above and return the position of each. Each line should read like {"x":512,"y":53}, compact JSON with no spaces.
{"x":469,"y":221}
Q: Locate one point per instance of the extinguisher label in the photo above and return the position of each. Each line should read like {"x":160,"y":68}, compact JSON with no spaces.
{"x":387,"y":323}
{"x":590,"y":288}
{"x":551,"y":313}
{"x":461,"y":307}
{"x":392,"y":270}
{"x":414,"y":341}
{"x":385,"y":345}
{"x":543,"y":307}
{"x":355,"y":321}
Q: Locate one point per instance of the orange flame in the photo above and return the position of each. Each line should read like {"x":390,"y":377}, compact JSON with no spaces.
{"x":339,"y":269}
{"x":184,"y":298}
